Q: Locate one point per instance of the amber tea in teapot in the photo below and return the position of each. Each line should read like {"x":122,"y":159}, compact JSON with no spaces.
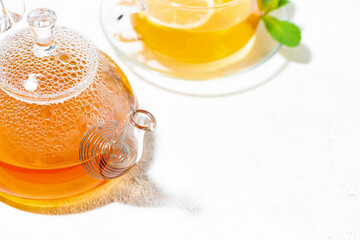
{"x":66,"y":107}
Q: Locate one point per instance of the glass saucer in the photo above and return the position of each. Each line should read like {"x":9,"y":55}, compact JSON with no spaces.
{"x":255,"y":64}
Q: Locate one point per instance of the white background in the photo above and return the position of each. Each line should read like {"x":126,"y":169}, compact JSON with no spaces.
{"x":279,"y":162}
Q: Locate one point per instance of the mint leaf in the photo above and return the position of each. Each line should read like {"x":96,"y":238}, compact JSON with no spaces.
{"x":282,"y":3}
{"x":268,"y":5}
{"x":283,"y":31}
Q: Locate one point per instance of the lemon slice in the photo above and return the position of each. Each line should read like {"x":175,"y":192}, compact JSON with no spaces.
{"x":180,"y":14}
{"x":226,"y":17}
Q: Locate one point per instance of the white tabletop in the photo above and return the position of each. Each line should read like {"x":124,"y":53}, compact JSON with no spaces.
{"x":281,"y":161}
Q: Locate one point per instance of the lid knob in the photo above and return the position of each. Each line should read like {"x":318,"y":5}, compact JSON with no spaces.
{"x":42,"y":22}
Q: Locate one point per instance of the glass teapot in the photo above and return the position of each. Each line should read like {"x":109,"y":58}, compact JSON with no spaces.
{"x":68,"y":118}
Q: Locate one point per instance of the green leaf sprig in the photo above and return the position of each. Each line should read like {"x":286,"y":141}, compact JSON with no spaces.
{"x":284,"y":32}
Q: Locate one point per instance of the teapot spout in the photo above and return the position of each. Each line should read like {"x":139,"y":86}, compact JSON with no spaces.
{"x":111,"y":149}
{"x":131,"y":134}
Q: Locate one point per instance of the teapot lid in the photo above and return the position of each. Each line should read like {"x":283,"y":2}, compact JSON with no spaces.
{"x":46,"y":64}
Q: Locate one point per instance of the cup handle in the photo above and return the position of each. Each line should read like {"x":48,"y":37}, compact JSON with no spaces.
{"x":9,"y":18}
{"x":115,"y":21}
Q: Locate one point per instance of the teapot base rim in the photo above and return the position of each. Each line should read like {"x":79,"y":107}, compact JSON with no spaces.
{"x":90,"y":200}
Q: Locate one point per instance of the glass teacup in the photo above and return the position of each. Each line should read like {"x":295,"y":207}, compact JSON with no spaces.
{"x":196,"y":31}
{"x":188,"y":39}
